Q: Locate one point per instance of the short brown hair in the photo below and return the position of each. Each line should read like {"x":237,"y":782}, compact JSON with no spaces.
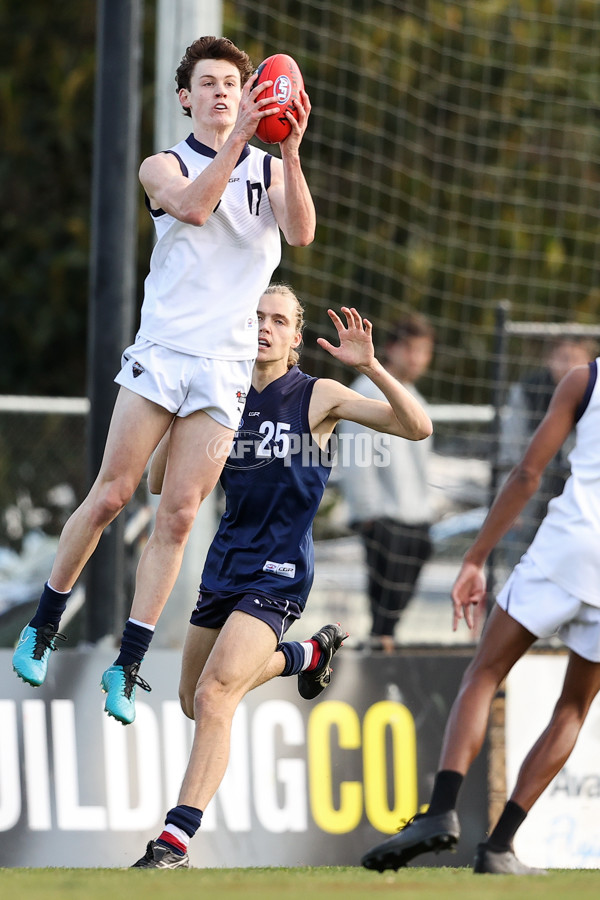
{"x":210,"y":47}
{"x":412,"y":325}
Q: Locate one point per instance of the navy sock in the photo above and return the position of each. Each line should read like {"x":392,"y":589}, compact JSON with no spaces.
{"x":50,"y":608}
{"x":502,"y":836}
{"x":446,"y":786}
{"x":181,"y":824}
{"x":134,"y":643}
{"x":293,"y":652}
{"x":187,"y":818}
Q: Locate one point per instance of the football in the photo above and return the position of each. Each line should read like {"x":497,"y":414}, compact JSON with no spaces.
{"x":287,"y":80}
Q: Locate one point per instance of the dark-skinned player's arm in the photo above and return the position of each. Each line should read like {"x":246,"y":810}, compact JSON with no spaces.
{"x":469,"y":589}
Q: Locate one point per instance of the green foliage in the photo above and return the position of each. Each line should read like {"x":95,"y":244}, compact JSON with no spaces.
{"x":452,"y":151}
{"x":47,"y":111}
{"x":46,"y":107}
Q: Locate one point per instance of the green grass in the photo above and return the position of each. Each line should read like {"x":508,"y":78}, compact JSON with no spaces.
{"x":323,"y":883}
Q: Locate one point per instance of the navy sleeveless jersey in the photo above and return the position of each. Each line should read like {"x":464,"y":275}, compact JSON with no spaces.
{"x":274,"y":480}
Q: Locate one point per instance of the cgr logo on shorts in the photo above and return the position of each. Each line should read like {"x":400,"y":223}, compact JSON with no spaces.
{"x":137,"y":369}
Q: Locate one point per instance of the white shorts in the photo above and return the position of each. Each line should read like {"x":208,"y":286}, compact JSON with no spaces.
{"x":544,"y":609}
{"x":184,"y":384}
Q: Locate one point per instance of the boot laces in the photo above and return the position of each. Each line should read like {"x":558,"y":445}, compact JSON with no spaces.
{"x":132,"y":678}
{"x":44,"y":640}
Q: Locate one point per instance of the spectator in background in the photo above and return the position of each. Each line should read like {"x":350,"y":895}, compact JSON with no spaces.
{"x":527,"y":403}
{"x":390,"y":504}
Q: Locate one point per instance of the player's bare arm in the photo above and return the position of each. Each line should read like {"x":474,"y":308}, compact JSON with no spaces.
{"x":193,"y":201}
{"x":469,"y":589}
{"x":289,"y":195}
{"x":402,"y":415}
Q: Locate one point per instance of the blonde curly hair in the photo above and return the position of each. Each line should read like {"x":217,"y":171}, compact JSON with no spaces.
{"x":286,"y":291}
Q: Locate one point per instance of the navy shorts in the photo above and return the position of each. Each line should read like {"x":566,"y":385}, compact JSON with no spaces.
{"x":213,"y":609}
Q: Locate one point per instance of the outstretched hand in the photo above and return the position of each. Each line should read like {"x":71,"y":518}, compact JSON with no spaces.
{"x":356,"y":341}
{"x":468,"y":594}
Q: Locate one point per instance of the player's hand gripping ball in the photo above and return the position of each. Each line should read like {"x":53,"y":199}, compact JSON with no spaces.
{"x":287,"y":80}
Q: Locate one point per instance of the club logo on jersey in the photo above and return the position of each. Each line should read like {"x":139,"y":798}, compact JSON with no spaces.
{"x":137,"y":369}
{"x":287,"y":570}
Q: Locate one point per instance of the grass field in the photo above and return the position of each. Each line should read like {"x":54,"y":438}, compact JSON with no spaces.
{"x":291,"y":884}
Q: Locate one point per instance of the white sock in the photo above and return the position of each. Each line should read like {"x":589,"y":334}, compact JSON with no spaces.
{"x":178,"y":833}
{"x":141,"y":624}
{"x":58,"y":592}
{"x":309,"y":650}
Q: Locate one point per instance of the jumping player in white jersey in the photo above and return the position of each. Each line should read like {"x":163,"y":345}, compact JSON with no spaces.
{"x":555,"y":589}
{"x":218,"y":205}
{"x":259,"y":568}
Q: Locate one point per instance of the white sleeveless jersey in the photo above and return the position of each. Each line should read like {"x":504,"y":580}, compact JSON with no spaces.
{"x":566,"y":547}
{"x":205,"y":281}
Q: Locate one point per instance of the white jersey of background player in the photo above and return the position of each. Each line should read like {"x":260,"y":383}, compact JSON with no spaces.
{"x":566,"y":546}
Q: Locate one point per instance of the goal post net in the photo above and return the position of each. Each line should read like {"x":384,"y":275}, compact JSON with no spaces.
{"x":453,"y":152}
{"x":454,"y":155}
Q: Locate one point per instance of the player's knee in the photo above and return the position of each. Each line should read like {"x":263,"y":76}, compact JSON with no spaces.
{"x":480,"y":674}
{"x":108,"y":501}
{"x":206,"y":701}
{"x":176,"y":524}
{"x":569,"y":712}
{"x":186,"y":701}
{"x":211,"y":700}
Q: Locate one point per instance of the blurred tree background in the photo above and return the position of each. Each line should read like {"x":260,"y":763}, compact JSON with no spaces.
{"x":47,"y":111}
{"x":454,"y":156}
{"x":453,"y":153}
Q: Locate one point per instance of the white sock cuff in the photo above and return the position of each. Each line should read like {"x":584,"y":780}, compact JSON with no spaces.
{"x":141,"y":624}
{"x":58,"y":592}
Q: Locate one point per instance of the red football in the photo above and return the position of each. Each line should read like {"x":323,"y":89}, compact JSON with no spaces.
{"x":283,"y":71}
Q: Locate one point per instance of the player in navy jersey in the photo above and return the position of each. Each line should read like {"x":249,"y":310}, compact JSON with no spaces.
{"x":259,"y":568}
{"x":218,"y":205}
{"x":555,"y":589}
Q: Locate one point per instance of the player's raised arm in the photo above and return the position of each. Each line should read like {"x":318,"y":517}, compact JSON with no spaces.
{"x":289,"y":193}
{"x":469,"y":588}
{"x":402,"y":415}
{"x":193,"y":200}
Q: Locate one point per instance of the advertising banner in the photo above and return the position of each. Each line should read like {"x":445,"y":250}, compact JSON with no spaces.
{"x":561,"y":831}
{"x":308,"y":783}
